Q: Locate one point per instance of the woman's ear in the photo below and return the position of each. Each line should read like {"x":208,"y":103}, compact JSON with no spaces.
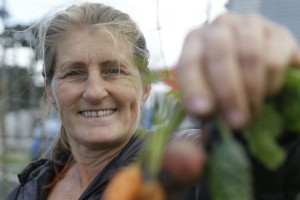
{"x":146,"y":92}
{"x":50,"y":95}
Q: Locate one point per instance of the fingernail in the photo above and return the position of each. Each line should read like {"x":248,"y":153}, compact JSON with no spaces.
{"x":236,"y":118}
{"x":198,"y":104}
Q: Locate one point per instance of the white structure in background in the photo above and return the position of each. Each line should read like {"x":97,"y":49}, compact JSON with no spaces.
{"x":158,"y":92}
{"x":19,"y":126}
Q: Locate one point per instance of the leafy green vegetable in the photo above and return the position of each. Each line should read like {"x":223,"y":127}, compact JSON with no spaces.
{"x":262,"y":138}
{"x":288,"y":101}
{"x":279,"y":114}
{"x":229,"y":169}
{"x":159,"y":141}
{"x":169,"y":115}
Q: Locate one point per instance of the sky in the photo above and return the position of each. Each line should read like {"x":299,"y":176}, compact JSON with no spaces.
{"x":176,"y":19}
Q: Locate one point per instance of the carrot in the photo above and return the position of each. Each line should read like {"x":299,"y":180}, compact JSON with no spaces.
{"x":126,"y":184}
{"x":152,"y":190}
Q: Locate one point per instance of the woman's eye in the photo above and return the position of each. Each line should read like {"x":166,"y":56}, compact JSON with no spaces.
{"x":112,"y":71}
{"x":74,"y":73}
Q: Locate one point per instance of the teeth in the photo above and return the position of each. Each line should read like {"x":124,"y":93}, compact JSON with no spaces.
{"x":99,"y":113}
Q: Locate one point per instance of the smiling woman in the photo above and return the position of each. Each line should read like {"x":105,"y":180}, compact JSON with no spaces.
{"x":98,"y":94}
{"x":95,"y":61}
{"x":97,"y":78}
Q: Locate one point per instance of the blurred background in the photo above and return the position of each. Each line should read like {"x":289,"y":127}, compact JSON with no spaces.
{"x":25,"y":134}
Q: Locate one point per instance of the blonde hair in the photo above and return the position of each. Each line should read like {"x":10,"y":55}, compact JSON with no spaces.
{"x":95,"y":16}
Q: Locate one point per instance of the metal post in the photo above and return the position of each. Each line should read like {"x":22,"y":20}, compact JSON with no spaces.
{"x":3,"y":112}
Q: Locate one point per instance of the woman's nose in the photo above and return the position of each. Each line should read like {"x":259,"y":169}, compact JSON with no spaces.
{"x":95,"y":89}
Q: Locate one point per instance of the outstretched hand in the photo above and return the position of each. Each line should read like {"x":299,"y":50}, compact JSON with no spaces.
{"x":233,"y":64}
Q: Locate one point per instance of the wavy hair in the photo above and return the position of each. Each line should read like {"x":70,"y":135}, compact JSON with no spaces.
{"x":94,"y":16}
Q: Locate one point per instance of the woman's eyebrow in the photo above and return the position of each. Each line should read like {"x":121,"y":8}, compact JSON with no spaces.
{"x":67,"y":64}
{"x":110,"y":62}
{"x":114,"y":62}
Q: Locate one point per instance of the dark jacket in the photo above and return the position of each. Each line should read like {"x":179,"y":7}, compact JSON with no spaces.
{"x":282,"y":184}
{"x":37,"y":175}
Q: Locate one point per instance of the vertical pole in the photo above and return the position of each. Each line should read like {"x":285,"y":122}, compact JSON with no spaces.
{"x":159,"y":32}
{"x":208,"y":11}
{"x":3,"y":112}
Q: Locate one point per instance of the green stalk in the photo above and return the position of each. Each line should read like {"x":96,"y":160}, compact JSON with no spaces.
{"x":157,"y":142}
{"x":225,"y":131}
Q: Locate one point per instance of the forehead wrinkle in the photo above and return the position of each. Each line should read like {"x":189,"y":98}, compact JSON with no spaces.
{"x":100,"y":47}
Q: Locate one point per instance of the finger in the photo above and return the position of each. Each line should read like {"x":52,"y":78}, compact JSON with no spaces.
{"x":282,"y":50}
{"x":251,"y":50}
{"x":197,"y":97}
{"x":224,"y":75}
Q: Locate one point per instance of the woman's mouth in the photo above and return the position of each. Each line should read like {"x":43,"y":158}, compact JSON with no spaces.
{"x":97,"y":113}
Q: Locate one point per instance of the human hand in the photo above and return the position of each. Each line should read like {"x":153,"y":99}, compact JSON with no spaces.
{"x":233,"y":64}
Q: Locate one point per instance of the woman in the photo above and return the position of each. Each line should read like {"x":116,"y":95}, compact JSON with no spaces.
{"x":94,"y":59}
{"x":96,"y":77}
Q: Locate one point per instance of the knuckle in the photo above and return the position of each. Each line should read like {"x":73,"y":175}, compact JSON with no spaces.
{"x":192,"y":35}
{"x":226,"y":18}
{"x":255,"y":18}
{"x":287,"y":35}
{"x":281,"y":32}
{"x":219,"y":44}
{"x":249,"y":60}
{"x":250,"y":46}
{"x":218,"y":36}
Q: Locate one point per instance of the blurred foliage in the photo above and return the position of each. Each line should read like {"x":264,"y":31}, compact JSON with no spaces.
{"x":229,"y":168}
{"x":262,"y":137}
{"x":288,"y":101}
{"x":17,"y":158}
{"x":229,"y":165}
{"x":19,"y":35}
{"x":168,"y":116}
{"x":279,"y":115}
{"x":20,"y":90}
{"x":17,"y":85}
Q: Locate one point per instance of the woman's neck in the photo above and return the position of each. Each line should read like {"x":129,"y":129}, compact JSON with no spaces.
{"x":89,"y":162}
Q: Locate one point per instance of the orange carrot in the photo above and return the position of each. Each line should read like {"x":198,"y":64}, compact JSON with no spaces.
{"x":152,"y":190}
{"x":126,"y":184}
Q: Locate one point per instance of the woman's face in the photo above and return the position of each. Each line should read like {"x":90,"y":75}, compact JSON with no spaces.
{"x":96,"y":89}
